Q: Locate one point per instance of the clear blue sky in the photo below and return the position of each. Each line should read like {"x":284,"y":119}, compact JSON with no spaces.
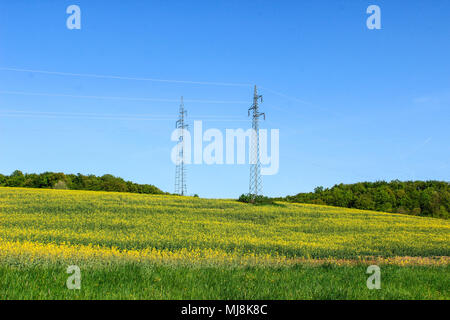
{"x":356,"y":104}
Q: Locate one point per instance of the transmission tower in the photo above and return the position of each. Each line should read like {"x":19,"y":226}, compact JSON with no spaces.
{"x":255,"y":183}
{"x":180,"y":170}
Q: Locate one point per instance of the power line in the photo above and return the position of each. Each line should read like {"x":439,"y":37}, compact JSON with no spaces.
{"x":89,"y":75}
{"x":286,"y":96}
{"x":96,"y":114}
{"x":159,"y":80}
{"x":100,"y":116}
{"x":255,"y":183}
{"x":114,"y":98}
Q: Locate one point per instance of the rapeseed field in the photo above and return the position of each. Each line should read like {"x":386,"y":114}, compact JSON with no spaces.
{"x":54,"y":224}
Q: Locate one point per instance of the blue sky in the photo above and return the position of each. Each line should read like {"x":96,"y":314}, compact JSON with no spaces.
{"x":351,"y":104}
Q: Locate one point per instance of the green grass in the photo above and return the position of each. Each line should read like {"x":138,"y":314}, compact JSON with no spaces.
{"x":134,"y":281}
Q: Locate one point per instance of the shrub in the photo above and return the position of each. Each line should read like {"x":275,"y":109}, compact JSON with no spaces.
{"x":248,"y":198}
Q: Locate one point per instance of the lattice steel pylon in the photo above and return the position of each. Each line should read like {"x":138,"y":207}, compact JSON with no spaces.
{"x":180,"y":170}
{"x":255,"y":183}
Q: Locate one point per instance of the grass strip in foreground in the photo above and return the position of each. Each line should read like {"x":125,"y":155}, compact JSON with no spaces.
{"x":137,"y":281}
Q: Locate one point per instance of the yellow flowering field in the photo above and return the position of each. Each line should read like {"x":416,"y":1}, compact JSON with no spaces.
{"x":39,"y":226}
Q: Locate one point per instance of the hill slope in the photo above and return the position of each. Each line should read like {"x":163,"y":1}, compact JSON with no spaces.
{"x":55,"y":224}
{"x":132,"y":246}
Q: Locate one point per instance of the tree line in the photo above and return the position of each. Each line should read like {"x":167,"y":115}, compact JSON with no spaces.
{"x":52,"y":180}
{"x":420,"y":198}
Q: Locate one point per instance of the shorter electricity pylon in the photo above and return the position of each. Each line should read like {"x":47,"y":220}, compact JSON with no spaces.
{"x":180,"y":170}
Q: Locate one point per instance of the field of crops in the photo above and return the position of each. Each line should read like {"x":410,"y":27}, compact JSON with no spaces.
{"x":41,"y":228}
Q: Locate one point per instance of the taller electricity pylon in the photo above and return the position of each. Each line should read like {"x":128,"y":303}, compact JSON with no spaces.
{"x":180,"y":170}
{"x":255,"y":184}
